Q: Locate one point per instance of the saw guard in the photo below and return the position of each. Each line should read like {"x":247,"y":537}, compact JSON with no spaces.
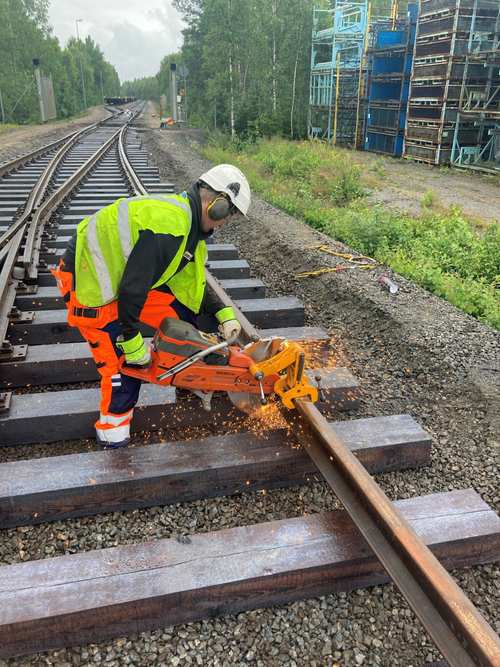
{"x":294,"y":384}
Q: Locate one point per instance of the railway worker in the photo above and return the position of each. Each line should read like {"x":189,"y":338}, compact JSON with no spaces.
{"x":140,"y":260}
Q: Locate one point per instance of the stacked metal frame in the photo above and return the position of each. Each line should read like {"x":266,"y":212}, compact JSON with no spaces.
{"x":338,"y":44}
{"x":441,"y":45}
{"x":479,"y":104}
{"x":389,"y":71}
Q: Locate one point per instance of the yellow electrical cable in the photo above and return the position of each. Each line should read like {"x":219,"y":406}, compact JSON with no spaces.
{"x":343,"y":255}
{"x":358,"y":261}
{"x":333,"y":269}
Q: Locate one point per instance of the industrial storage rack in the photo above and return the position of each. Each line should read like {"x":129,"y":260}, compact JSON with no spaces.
{"x":389,"y":71}
{"x":338,"y":43}
{"x":479,"y":104}
{"x":439,"y":69}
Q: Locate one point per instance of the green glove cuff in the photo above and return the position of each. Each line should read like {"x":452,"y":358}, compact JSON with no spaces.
{"x":225,"y":314}
{"x":134,"y":348}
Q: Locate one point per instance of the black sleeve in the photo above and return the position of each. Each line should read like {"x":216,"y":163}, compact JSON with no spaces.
{"x":148,"y":260}
{"x":211,"y":303}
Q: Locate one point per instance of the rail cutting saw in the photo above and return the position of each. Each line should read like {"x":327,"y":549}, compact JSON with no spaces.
{"x":184,"y":357}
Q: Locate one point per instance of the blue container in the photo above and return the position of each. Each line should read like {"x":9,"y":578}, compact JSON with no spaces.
{"x":389,"y":84}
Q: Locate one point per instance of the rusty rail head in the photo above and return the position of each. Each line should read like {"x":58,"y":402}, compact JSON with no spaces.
{"x":459,"y":631}
{"x":248,"y":332}
{"x":135,"y":181}
{"x":8,"y":284}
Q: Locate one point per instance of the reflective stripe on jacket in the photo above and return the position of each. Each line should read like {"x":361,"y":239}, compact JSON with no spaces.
{"x":106,"y":239}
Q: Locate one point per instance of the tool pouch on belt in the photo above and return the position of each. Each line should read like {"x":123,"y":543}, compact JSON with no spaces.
{"x":80,"y":315}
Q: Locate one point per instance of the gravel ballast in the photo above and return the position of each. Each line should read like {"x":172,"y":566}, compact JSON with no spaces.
{"x":412,"y":352}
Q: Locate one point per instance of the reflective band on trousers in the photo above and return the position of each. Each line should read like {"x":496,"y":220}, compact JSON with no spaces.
{"x":113,"y":434}
{"x":124,"y":229}
{"x":104,"y":279}
{"x":115,"y":420}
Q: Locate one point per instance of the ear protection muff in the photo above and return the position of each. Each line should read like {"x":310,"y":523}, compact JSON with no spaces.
{"x":219,"y":208}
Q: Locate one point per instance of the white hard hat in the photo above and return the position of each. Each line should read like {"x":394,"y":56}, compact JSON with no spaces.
{"x":231,"y":181}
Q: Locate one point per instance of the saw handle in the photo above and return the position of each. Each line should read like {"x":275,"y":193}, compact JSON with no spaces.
{"x":197,"y":356}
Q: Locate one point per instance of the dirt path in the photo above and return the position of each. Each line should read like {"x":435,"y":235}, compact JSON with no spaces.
{"x":401,"y":185}
{"x":16,"y":141}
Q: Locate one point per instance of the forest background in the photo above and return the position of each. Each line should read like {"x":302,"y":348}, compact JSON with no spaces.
{"x":248,"y":64}
{"x":25,"y":34}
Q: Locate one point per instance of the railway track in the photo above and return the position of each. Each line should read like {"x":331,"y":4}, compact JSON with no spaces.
{"x":88,"y":596}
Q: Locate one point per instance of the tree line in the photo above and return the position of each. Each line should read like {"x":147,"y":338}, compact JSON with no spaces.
{"x":25,"y":34}
{"x":248,"y":64}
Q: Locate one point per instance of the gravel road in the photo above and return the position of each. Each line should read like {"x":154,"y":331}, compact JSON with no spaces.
{"x":412,"y":353}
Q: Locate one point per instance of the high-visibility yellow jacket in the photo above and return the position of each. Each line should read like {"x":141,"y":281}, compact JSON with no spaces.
{"x":106,"y":241}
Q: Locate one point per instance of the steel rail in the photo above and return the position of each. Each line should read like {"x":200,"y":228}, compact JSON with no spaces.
{"x":135,"y":181}
{"x":457,"y":628}
{"x":12,"y":239}
{"x":39,"y":189}
{"x":20,"y":161}
{"x":8,"y":285}
{"x":29,"y":258}
{"x":12,"y":165}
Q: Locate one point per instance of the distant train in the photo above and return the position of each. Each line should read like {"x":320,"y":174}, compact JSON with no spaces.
{"x":119,"y":100}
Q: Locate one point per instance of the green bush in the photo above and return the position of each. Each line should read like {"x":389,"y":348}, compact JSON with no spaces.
{"x":347,"y":187}
{"x":442,"y":252}
{"x":429,"y":199}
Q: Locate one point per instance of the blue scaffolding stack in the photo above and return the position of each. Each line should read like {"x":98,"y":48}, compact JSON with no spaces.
{"x":389,"y":72}
{"x":337,"y":48}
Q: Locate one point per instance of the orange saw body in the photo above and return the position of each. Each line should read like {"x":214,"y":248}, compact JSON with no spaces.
{"x":182,"y":356}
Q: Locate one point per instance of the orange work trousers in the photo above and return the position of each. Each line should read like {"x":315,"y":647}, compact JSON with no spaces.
{"x":100,"y":328}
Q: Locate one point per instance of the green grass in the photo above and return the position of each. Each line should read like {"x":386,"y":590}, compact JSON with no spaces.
{"x":443,"y":252}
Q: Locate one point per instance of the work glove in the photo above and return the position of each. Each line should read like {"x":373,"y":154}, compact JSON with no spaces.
{"x":135,"y":351}
{"x":228,"y":324}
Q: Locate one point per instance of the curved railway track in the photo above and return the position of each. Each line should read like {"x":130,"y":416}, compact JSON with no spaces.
{"x":94,"y":595}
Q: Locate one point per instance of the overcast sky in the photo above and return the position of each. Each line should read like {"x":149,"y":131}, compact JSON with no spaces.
{"x":133,"y":34}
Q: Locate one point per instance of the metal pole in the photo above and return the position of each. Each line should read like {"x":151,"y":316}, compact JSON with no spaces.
{"x":336,"y":100}
{"x":38,"y":79}
{"x":330,"y":91}
{"x":360,"y":82}
{"x":77,"y":21}
{"x":185,"y":100}
{"x":173,"y":90}
{"x":1,"y":107}
{"x":102,"y":87}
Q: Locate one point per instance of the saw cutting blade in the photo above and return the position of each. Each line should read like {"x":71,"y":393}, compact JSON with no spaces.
{"x":247,"y":403}
{"x":258,"y":351}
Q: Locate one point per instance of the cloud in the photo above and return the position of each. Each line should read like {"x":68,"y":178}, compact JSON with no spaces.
{"x":134,"y":35}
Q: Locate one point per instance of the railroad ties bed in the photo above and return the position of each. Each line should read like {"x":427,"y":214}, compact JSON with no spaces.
{"x":89,"y":596}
